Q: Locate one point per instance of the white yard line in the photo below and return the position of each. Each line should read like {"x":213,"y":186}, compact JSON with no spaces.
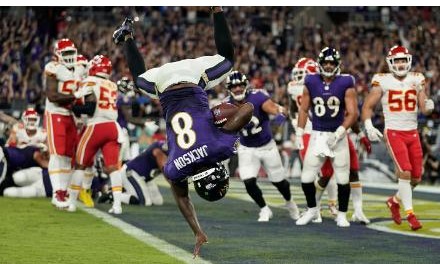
{"x":145,"y":237}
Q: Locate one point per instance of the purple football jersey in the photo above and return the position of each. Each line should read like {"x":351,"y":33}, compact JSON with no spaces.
{"x":122,"y":100}
{"x":193,"y":139}
{"x":327,"y":100}
{"x":257,"y":132}
{"x":145,"y":162}
{"x":20,"y":158}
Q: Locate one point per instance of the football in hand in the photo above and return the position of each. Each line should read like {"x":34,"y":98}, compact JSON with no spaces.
{"x":223,"y":112}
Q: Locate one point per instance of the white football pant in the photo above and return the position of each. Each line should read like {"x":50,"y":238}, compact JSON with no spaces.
{"x":341,"y":161}
{"x":251,"y":159}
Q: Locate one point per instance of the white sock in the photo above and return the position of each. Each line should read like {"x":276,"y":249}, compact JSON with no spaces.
{"x":88,"y":179}
{"x":75,"y":185}
{"x":116,"y":180}
{"x":332,"y":191}
{"x":356,"y":195}
{"x":405,"y":192}
{"x":125,"y":198}
{"x":318,"y":193}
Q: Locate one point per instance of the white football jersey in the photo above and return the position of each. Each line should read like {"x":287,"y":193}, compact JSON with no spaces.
{"x":399,"y":99}
{"x":24,"y":140}
{"x":295,"y":91}
{"x":68,"y":81}
{"x":106,"y":93}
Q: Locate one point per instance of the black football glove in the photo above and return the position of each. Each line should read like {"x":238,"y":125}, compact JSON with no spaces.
{"x":125,"y":29}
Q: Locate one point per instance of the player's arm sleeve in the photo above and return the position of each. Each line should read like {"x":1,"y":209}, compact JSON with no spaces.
{"x":135,"y":61}
{"x":222,"y":37}
{"x":87,"y":108}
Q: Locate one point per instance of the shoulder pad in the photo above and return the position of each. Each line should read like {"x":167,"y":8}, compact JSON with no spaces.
{"x":51,"y":68}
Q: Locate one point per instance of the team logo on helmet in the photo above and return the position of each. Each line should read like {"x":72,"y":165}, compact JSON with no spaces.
{"x":302,"y":67}
{"x":31,"y":119}
{"x":236,"y":78}
{"x":100,"y":66}
{"x":66,"y":52}
{"x":329,"y":54}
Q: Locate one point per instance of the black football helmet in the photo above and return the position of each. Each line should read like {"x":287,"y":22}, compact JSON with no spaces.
{"x":237,"y":78}
{"x":213,"y":183}
{"x":125,"y":85}
{"x":329,"y":54}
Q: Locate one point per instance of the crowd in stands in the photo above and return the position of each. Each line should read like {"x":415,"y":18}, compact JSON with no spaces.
{"x":267,"y":44}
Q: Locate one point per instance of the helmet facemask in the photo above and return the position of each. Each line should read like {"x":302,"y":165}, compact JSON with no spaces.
{"x":399,"y":69}
{"x":329,"y":55}
{"x":240,"y":96}
{"x":68,"y":57}
{"x":298,"y":75}
{"x":234,"y":79}
{"x":31,"y":121}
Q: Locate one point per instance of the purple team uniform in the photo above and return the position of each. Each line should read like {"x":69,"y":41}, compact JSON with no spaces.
{"x":212,"y":144}
{"x":256,"y":134}
{"x":122,"y":101}
{"x":327,"y":100}
{"x":145,"y":162}
{"x":17,"y":159}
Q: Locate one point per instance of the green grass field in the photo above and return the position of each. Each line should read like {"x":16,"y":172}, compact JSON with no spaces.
{"x":32,"y":231}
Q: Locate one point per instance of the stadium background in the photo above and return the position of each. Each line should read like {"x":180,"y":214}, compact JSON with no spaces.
{"x":268,"y":41}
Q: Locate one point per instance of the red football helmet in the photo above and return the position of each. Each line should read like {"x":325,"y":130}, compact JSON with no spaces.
{"x":82,"y":60}
{"x":31,"y":119}
{"x":100,"y":66}
{"x":401,"y":68}
{"x":303,"y":67}
{"x":66,"y":52}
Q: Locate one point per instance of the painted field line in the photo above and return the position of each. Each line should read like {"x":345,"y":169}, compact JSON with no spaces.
{"x":380,"y":226}
{"x":145,"y":237}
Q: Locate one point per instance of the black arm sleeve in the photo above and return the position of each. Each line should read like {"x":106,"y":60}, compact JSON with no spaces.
{"x":222,"y":36}
{"x":134,"y":59}
{"x":87,"y":108}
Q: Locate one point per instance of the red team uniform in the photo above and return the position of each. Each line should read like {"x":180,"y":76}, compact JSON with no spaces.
{"x":401,"y":94}
{"x":58,"y":119}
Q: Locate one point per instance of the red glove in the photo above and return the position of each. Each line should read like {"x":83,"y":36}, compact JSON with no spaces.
{"x":366,"y":143}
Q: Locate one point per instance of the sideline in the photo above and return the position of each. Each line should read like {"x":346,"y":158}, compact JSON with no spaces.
{"x":144,"y":237}
{"x":380,"y":226}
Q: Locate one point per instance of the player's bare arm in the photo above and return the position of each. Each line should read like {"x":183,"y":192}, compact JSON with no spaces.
{"x":53,"y":95}
{"x":160,"y":157}
{"x":303,"y":113}
{"x":273,"y":108}
{"x":351,"y":109}
{"x":87,"y":108}
{"x":42,"y":159}
{"x":370,"y":103}
{"x":186,"y":207}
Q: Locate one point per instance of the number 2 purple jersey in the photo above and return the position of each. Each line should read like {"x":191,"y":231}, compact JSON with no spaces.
{"x":257,"y":132}
{"x":207,"y":143}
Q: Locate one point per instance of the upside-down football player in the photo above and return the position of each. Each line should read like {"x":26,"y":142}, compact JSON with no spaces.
{"x":196,"y":145}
